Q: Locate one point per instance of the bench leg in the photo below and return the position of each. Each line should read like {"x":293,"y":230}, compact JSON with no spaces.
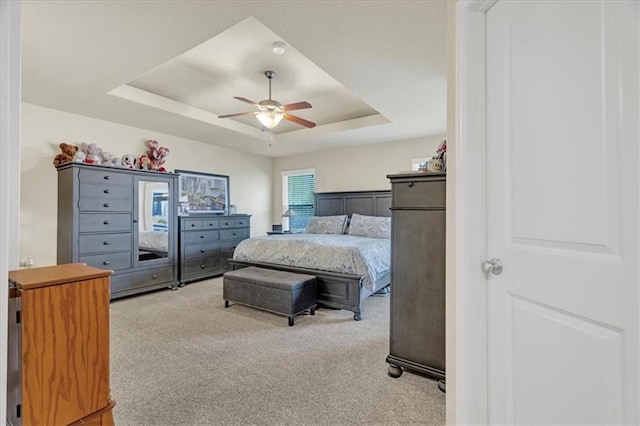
{"x":226,"y":303}
{"x":290,"y":321}
{"x":313,"y":311}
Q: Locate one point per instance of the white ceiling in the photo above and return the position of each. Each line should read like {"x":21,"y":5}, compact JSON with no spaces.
{"x":374,"y":71}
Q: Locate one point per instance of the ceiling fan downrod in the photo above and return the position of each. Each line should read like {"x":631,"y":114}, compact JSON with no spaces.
{"x":270,"y":75}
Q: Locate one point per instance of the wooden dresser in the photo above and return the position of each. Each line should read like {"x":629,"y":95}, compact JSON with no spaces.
{"x":207,"y":241}
{"x":418,"y":274}
{"x":120,"y":219}
{"x":58,"y":363}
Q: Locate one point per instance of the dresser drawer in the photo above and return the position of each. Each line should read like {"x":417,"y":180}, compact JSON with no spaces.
{"x":227,"y":223}
{"x":193,"y":251}
{"x":195,"y":224}
{"x":101,"y":243}
{"x":115,"y":261}
{"x":200,"y":236}
{"x":104,"y":191}
{"x":105,"y":222}
{"x":131,"y":280}
{"x":203,"y":266}
{"x":101,"y":175}
{"x":419,"y":194}
{"x":227,"y":234}
{"x":241,"y":223}
{"x":106,"y":205}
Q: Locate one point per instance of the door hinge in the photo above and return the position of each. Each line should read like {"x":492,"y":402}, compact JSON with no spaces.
{"x":18,"y":317}
{"x":18,"y":411}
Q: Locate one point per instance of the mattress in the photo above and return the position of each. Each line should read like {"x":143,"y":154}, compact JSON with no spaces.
{"x":348,"y":254}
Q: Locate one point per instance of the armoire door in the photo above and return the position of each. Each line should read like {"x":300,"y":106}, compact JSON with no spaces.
{"x":562,"y":211}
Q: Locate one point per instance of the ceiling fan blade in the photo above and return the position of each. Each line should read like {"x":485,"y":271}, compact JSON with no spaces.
{"x":300,"y":121}
{"x":297,"y":105}
{"x":245,"y":100}
{"x":237,"y":114}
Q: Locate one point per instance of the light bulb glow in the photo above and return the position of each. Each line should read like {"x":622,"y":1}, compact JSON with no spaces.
{"x":269,"y":118}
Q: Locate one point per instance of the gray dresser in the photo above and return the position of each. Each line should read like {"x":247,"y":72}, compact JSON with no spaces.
{"x":119,"y":219}
{"x":418,"y":274}
{"x":207,"y":241}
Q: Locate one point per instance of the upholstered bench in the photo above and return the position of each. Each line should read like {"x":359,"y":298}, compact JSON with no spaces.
{"x":280,"y":292}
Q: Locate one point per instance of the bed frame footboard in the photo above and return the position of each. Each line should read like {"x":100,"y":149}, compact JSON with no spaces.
{"x":335,"y":290}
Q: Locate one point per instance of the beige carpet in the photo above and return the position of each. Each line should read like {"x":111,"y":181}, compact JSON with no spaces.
{"x":182,"y":358}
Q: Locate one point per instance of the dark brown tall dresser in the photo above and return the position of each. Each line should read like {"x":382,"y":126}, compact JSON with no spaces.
{"x":418,"y":212}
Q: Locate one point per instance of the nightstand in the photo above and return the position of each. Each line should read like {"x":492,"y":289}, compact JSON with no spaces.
{"x":278,"y":232}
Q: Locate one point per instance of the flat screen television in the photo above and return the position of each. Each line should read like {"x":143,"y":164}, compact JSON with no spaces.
{"x":203,"y":193}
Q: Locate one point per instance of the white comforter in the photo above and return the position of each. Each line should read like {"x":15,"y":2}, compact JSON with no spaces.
{"x":348,"y":254}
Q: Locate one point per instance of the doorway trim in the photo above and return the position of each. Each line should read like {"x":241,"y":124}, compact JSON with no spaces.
{"x":471,"y":374}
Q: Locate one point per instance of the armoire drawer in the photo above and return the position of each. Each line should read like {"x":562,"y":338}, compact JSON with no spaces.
{"x":102,"y":243}
{"x":228,"y":234}
{"x":203,"y":266}
{"x":104,"y":222}
{"x":132,"y":280}
{"x":105,"y":190}
{"x":200,"y":236}
{"x":114,"y":261}
{"x":106,"y":204}
{"x":419,"y":194}
{"x":194,"y":251}
{"x":102,"y":175}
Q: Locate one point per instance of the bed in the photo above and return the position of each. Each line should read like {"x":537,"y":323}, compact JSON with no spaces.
{"x":361,"y":265}
{"x":153,"y":244}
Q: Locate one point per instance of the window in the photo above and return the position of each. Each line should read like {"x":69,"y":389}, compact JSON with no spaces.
{"x":298,"y":187}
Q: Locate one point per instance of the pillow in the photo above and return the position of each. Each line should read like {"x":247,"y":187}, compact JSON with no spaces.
{"x":370,"y":226}
{"x":327,"y":224}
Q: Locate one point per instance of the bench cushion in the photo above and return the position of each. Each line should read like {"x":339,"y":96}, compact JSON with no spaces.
{"x":271,"y":278}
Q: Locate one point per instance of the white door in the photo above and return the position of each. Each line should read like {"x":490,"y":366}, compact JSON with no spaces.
{"x":562,"y":211}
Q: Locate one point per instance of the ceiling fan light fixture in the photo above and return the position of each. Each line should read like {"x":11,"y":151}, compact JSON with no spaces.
{"x":269,"y":118}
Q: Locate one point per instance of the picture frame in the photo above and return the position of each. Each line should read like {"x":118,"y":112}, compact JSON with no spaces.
{"x":203,"y":192}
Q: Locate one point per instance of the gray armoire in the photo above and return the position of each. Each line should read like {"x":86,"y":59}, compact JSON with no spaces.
{"x":120,"y":219}
{"x":418,"y":212}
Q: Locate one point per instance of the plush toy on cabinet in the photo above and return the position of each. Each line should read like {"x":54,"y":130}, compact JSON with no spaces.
{"x":67,"y":154}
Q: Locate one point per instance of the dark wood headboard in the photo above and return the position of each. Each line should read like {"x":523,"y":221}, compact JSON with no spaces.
{"x":368,"y":203}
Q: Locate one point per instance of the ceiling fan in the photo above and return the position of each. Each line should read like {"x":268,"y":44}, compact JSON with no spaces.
{"x":270,"y":112}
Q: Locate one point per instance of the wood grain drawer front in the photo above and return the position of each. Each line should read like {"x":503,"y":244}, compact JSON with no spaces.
{"x":240,"y":223}
{"x":202,"y":266}
{"x":128,"y":281}
{"x":106,"y":205}
{"x":107,"y":222}
{"x":200,"y":236}
{"x":115,"y":261}
{"x":102,"y":243}
{"x":417,"y":194}
{"x":105,"y":191}
{"x":228,"y":234}
{"x":227,"y":223}
{"x":194,"y":251}
{"x":102,"y":176}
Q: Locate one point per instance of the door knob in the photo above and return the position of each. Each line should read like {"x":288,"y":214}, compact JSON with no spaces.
{"x":492,"y":266}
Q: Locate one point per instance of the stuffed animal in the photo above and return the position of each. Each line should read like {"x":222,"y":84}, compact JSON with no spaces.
{"x":129,"y":161}
{"x":153,"y":159}
{"x":107,"y":158}
{"x":93,"y":154}
{"x":79,"y":156}
{"x":67,"y":154}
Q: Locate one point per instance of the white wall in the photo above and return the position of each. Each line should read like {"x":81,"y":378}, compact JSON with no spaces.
{"x":44,"y":129}
{"x":355,"y":168}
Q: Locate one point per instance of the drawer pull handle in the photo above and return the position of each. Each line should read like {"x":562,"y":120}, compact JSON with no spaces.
{"x":106,"y":222}
{"x":202,"y":250}
{"x":234,"y":234}
{"x":410,"y":184}
{"x":106,"y":243}
{"x":107,"y":191}
{"x":107,"y":177}
{"x":106,"y":262}
{"x":226,"y":223}
{"x":154,"y":276}
{"x":201,"y":236}
{"x":202,"y":266}
{"x":241,"y":223}
{"x":106,"y":205}
{"x":193,"y":224}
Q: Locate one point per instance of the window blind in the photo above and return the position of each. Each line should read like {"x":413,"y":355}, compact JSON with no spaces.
{"x":300,"y":195}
